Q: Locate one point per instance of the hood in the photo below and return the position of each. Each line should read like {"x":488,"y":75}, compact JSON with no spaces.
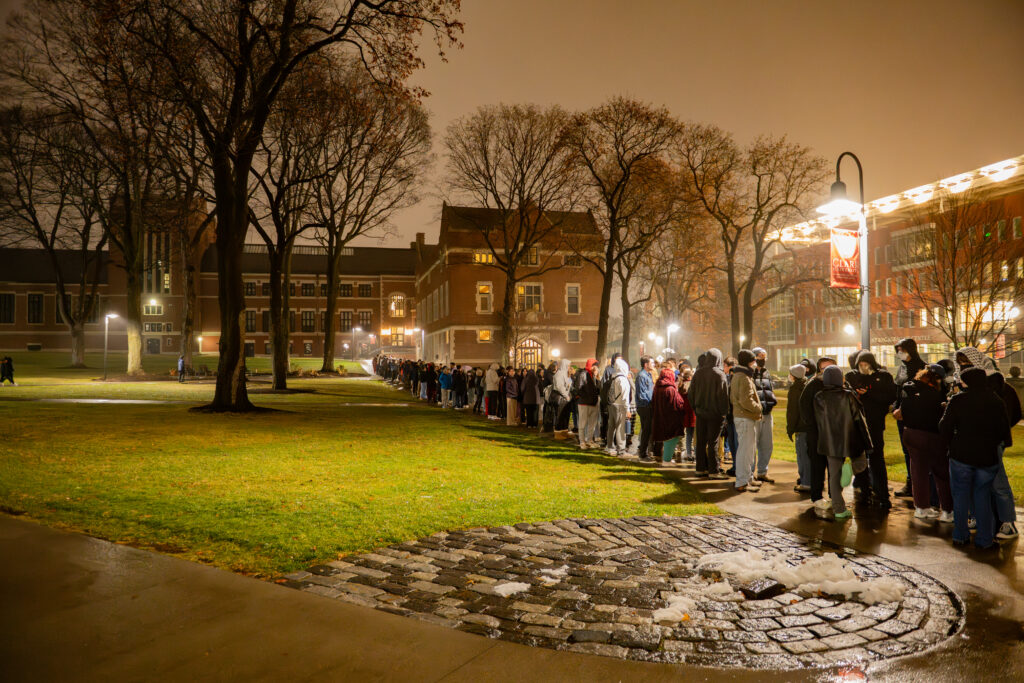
{"x":666,"y":378}
{"x":910,"y":346}
{"x":563,"y":366}
{"x":494,"y":366}
{"x":975,"y":379}
{"x":866,"y":357}
{"x":591,"y":362}
{"x":713,"y":358}
{"x":832,"y":376}
{"x":621,"y":366}
{"x":978,"y":359}
{"x":702,"y":360}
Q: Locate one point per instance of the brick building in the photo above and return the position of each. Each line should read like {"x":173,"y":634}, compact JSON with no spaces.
{"x":459,"y":292}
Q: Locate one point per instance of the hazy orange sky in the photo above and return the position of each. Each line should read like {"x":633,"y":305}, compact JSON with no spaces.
{"x":919,"y":89}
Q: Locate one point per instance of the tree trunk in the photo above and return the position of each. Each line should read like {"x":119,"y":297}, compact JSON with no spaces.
{"x":133,"y":322}
{"x":77,"y":344}
{"x":331,"y":312}
{"x":748,"y":313}
{"x":602,"y":319}
{"x":626,"y":323}
{"x":232,"y":224}
{"x":188,"y":299}
{"x":734,"y":311}
{"x":507,"y":311}
{"x":279,"y":330}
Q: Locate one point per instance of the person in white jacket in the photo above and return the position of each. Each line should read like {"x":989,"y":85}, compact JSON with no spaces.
{"x":621,"y":406}
{"x":491,"y":381}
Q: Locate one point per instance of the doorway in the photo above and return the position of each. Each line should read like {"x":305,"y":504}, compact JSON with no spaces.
{"x":152,"y":345}
{"x":529,"y":354}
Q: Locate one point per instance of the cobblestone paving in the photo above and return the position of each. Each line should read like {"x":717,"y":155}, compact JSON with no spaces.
{"x":594,"y":584}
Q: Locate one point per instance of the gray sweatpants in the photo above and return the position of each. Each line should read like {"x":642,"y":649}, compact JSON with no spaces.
{"x":835,"y":476}
{"x":615,"y":437}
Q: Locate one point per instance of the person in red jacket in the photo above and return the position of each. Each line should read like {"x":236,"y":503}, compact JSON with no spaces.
{"x":669,"y":410}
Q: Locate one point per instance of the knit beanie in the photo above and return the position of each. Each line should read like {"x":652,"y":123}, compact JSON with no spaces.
{"x":832,"y":376}
{"x":938,"y":370}
{"x":798,"y":371}
{"x":745,"y":357}
{"x":974,"y":377}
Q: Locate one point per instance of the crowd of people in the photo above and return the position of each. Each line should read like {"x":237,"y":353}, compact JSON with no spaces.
{"x":953,"y":422}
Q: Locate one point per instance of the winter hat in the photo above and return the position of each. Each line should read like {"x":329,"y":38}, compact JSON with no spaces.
{"x":745,"y":357}
{"x":938,"y":370}
{"x":832,"y":376}
{"x":758,"y":351}
{"x":806,"y":362}
{"x":978,"y":359}
{"x":974,"y":378}
{"x":798,"y":371}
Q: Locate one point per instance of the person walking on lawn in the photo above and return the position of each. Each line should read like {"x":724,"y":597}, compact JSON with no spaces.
{"x":7,"y":371}
{"x":766,"y":394}
{"x":667,"y":413}
{"x":796,"y":428}
{"x":747,"y":412}
{"x":877,"y":391}
{"x":644,"y":395}
{"x":975,"y":426}
{"x":709,"y":396}
{"x":181,"y":369}
{"x":842,"y":434}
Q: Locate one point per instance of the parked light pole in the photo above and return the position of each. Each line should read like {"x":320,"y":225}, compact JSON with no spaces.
{"x":355,"y":344}
{"x":838,"y":206}
{"x":106,"y":334}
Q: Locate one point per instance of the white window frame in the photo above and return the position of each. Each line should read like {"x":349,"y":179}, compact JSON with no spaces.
{"x":153,"y":309}
{"x":540,"y":307}
{"x":579,"y":298}
{"x":570,"y":340}
{"x":490,"y":297}
{"x":395,"y":313}
{"x":479,"y":338}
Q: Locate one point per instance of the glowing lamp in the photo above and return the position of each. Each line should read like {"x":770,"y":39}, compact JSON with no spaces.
{"x":839,"y":204}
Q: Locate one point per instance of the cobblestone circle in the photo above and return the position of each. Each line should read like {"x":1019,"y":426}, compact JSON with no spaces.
{"x":594,"y":584}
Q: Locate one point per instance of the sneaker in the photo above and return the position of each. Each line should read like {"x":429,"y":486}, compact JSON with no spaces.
{"x":845,"y":514}
{"x":610,"y":451}
{"x":1006,"y":531}
{"x":926,"y":513}
{"x":800,"y":488}
{"x":717,"y":475}
{"x":731,"y":471}
{"x":765,"y":478}
{"x":905,"y":492}
{"x":747,"y":488}
{"x":946,"y":517}
{"x":972,"y":524}
{"x":701,"y":473}
{"x":847,"y":475}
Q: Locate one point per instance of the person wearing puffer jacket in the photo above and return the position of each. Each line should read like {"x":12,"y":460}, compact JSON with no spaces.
{"x":587,"y":390}
{"x":621,"y":406}
{"x":491,"y":380}
{"x":561,"y":390}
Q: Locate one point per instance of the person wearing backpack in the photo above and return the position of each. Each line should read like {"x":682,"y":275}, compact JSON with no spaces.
{"x":621,"y":406}
{"x":843,"y":434}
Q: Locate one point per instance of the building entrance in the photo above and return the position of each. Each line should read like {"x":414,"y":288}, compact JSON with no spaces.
{"x":152,"y":345}
{"x":528,"y":354}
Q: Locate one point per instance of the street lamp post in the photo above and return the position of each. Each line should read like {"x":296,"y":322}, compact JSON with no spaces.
{"x":668,"y":336}
{"x":840,"y":205}
{"x":355,"y":344}
{"x":106,"y":334}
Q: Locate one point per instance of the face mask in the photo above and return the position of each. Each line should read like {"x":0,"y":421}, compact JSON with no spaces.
{"x":865,"y":369}
{"x":760,"y":362}
{"x":904,"y":356}
{"x":753,"y":366}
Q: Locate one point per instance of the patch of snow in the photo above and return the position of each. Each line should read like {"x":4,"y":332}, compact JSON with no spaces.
{"x":507,"y":589}
{"x":549,"y":577}
{"x":720,"y":590}
{"x":679,"y":608}
{"x":827,"y":573}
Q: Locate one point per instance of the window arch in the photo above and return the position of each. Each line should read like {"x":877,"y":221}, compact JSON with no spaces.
{"x":396,"y":305}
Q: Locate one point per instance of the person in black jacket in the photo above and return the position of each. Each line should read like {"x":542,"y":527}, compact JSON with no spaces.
{"x":922,"y":403}
{"x":974,"y":425}
{"x":910,"y":364}
{"x":796,"y":428}
{"x":842,"y":433}
{"x":877,"y":392}
{"x":822,"y":507}
{"x":709,"y":396}
{"x":765,"y":428}
{"x":1006,"y":512}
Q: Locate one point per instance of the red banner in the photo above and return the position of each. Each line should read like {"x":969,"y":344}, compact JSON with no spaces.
{"x":845,"y":259}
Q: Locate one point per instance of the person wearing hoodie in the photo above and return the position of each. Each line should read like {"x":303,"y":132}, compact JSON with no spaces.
{"x":1002,"y":494}
{"x":819,"y":463}
{"x":644,"y":395}
{"x":512,"y":398}
{"x":588,"y":394}
{"x":561,"y":387}
{"x":747,"y":412}
{"x":530,"y":397}
{"x":877,"y":392}
{"x":766,"y":394}
{"x":921,"y":406}
{"x":975,"y":426}
{"x":842,"y":433}
{"x":709,"y":396}
{"x":491,"y":382}
{"x":796,"y":428}
{"x":910,"y":364}
{"x":621,"y":406}
{"x":667,"y":416}
{"x":606,"y":383}
{"x":445,"y":382}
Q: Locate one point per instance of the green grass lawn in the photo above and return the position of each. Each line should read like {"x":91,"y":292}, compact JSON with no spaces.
{"x":1013,"y":459}
{"x":272,"y":492}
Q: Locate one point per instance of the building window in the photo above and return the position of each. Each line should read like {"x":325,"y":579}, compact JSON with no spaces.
{"x":266,"y":320}
{"x":365,"y":291}
{"x":153,"y":309}
{"x":309,"y":321}
{"x":35,"y":309}
{"x":532,"y":257}
{"x":250,"y":289}
{"x":365,"y":319}
{"x":483,"y":257}
{"x":323,"y":289}
{"x":291,"y":321}
{"x":878,"y":288}
{"x":528,"y":297}
{"x":265,"y":289}
{"x":483,"y":336}
{"x":484,"y":297}
{"x":345,"y":289}
{"x":250,"y":321}
{"x":345,"y":324}
{"x":572,"y":299}
{"x":398,"y":337}
{"x":266,"y":348}
{"x":572,"y":260}
{"x":308,"y":289}
{"x":291,"y":289}
{"x":888,"y":320}
{"x":396,"y":306}
{"x":323,"y":321}
{"x":572,"y":336}
{"x":888,"y":286}
{"x":1016,"y":228}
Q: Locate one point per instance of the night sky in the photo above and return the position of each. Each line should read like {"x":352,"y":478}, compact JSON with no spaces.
{"x":919,"y":89}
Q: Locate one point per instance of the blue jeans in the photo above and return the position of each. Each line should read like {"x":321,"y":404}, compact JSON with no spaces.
{"x":730,"y":438}
{"x":689,"y":441}
{"x":1003,"y":494}
{"x":803,"y":458}
{"x":968,"y":484}
{"x":743,"y":458}
{"x":764,"y":444}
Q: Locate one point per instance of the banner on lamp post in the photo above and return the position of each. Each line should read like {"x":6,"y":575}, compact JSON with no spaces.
{"x":845,"y":259}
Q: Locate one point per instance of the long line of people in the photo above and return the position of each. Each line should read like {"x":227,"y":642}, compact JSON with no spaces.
{"x":953,"y":420}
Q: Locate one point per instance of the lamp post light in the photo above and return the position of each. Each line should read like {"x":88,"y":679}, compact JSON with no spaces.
{"x":419,"y":352}
{"x":355,"y":346}
{"x":199,"y":349}
{"x":106,"y":334}
{"x":838,"y":206}
{"x":555,"y":353}
{"x":668,"y":336}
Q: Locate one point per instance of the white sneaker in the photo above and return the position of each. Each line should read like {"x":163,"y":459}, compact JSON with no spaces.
{"x":972,"y":524}
{"x":926,"y":513}
{"x":946,"y":517}
{"x":823,"y":508}
{"x":1007,"y":531}
{"x":610,"y":451}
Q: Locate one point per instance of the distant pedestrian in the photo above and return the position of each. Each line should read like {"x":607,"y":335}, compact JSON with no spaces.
{"x":181,"y":369}
{"x":7,"y":371}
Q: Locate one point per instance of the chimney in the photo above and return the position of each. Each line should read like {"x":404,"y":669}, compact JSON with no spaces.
{"x":421,"y":238}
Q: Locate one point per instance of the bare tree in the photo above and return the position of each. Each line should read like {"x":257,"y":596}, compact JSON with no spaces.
{"x":620,"y":148}
{"x":371,"y":150}
{"x":961,"y":267}
{"x":513,"y":159}
{"x":50,"y":184}
{"x":750,"y":194}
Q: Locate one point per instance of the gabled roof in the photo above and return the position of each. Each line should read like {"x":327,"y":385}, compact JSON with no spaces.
{"x":34,"y":265}
{"x":312,"y":260}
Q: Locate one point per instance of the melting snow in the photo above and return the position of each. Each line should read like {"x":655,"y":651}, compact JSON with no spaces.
{"x":828,"y":574}
{"x":507,"y":589}
{"x":679,"y":607}
{"x":552,"y":576}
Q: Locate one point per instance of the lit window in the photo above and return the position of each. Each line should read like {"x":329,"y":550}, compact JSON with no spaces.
{"x":365,"y":319}
{"x":483,"y":336}
{"x":532,"y":257}
{"x":396,"y":307}
{"x":153,"y":309}
{"x":308,"y":289}
{"x":483,"y":257}
{"x":484,"y":297}
{"x":528,"y":297}
{"x":250,"y":289}
{"x":345,"y":289}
